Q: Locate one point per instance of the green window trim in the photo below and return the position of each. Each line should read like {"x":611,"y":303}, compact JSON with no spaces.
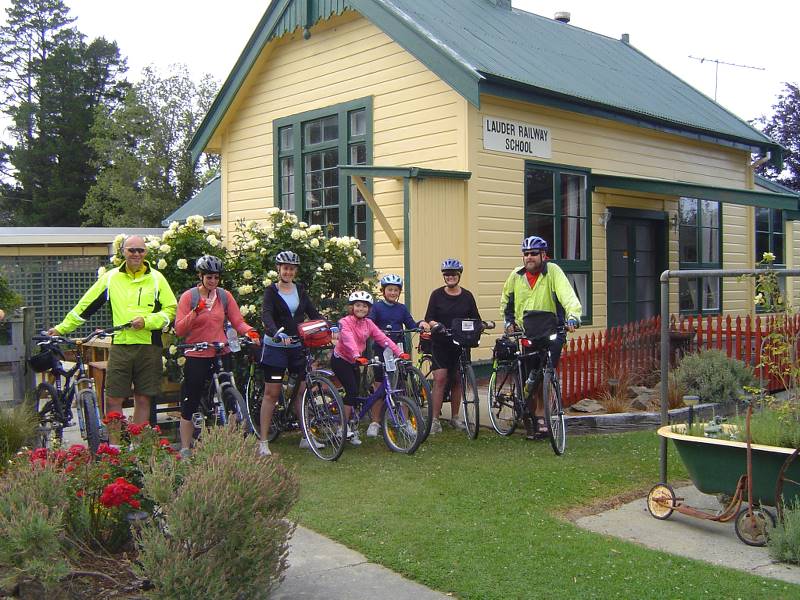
{"x":774,"y":234}
{"x":580,"y":267}
{"x":688,"y":231}
{"x":298,"y":151}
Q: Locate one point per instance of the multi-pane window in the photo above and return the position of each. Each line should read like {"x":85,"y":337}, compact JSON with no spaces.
{"x":557,"y":209}
{"x":770,"y":234}
{"x":310,"y":149}
{"x":699,"y":247}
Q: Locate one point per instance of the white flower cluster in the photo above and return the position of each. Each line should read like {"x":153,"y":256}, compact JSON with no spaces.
{"x":247,"y":309}
{"x":245,"y":289}
{"x":248,"y":274}
{"x":212,"y":240}
{"x":162,"y":264}
{"x":194,"y":221}
{"x":182,"y":264}
{"x":165,"y":248}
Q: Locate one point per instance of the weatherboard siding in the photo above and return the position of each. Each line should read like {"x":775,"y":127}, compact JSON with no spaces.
{"x":415,"y":116}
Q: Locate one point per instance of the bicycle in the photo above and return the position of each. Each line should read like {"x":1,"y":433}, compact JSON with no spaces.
{"x":401,"y":419}
{"x":322,"y":418}
{"x":53,"y":401}
{"x":510,"y":390}
{"x":465,"y":333}
{"x":222,"y":401}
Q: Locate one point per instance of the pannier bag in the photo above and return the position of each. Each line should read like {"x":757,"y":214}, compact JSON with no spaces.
{"x":539,"y":324}
{"x":504,"y":349}
{"x":314,"y":334}
{"x":467,"y":332}
{"x":44,"y":361}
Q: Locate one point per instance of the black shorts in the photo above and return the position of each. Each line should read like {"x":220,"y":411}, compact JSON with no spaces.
{"x":197,"y":374}
{"x":276,"y":361}
{"x":532,"y":361}
{"x":445,"y":354}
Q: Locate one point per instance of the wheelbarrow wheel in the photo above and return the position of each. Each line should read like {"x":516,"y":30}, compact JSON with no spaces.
{"x":661,"y":501}
{"x":785,"y":487}
{"x":754,"y":530}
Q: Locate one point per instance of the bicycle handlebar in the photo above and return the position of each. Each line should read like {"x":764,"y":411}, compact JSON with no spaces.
{"x":43,"y":338}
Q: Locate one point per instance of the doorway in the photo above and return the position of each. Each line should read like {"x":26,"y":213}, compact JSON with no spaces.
{"x":636,"y":257}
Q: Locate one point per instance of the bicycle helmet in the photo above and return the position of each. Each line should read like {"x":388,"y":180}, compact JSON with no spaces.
{"x":208,"y":264}
{"x":391,"y":279}
{"x":360,"y":296}
{"x":287,"y":257}
{"x":452,"y":264}
{"x":534,"y":242}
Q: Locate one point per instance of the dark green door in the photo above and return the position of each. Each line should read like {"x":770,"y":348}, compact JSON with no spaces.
{"x":636,"y":258}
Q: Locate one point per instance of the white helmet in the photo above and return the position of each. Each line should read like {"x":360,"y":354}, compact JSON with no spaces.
{"x":360,"y":296}
{"x":391,"y":279}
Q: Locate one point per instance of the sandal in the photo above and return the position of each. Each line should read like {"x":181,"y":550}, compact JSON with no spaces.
{"x":541,"y":427}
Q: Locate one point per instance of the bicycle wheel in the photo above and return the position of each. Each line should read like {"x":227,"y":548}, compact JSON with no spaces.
{"x":235,"y":407}
{"x":401,"y":423}
{"x":416,"y":387}
{"x":87,"y":402}
{"x":45,"y":403}
{"x":425,"y":366}
{"x":554,"y":412}
{"x":502,"y":399}
{"x":322,"y":418}
{"x":471,"y":405}
{"x":254,"y":396}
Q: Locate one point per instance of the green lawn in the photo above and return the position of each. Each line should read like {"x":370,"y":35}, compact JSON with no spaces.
{"x":481,"y":519}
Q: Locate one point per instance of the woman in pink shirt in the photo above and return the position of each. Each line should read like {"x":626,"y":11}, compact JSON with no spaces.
{"x":354,"y":331}
{"x":204,"y":323}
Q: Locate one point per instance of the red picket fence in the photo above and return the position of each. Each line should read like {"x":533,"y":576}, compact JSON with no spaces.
{"x":589,"y":360}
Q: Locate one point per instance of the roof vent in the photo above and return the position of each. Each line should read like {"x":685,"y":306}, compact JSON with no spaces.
{"x":563,"y":16}
{"x":503,"y":4}
{"x":626,"y":38}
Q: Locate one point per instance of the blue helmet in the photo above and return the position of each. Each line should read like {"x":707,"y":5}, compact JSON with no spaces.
{"x":452,"y":264}
{"x":534,"y":242}
{"x":391,"y":279}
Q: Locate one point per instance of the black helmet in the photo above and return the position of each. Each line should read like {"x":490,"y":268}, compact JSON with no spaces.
{"x":287,"y":257}
{"x":208,"y":264}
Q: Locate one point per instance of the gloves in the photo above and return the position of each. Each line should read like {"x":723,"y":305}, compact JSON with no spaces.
{"x":253,"y":335}
{"x":573,"y":323}
{"x":404,"y":356}
{"x":201,"y":306}
{"x":362,"y":360}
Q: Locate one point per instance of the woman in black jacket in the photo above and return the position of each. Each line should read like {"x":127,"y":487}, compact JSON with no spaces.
{"x":286,"y":304}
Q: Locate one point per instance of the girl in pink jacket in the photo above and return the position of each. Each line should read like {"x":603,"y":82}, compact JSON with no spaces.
{"x":354,"y":331}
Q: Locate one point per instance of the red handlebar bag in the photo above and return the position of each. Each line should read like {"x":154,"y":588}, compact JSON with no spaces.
{"x":314,"y":333}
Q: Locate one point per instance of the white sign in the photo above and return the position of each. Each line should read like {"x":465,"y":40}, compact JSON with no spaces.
{"x":515,"y":137}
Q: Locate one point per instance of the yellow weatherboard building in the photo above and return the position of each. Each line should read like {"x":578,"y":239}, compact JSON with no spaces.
{"x":454,"y":128}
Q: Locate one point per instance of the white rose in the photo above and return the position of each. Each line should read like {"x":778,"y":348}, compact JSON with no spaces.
{"x":181,"y":361}
{"x":314,"y":229}
{"x":314,"y":243}
{"x":351,"y":260}
{"x":165,"y":248}
{"x":267,"y":281}
{"x":195,"y":221}
{"x":182,"y":264}
{"x":263,"y":251}
{"x":295,"y":234}
{"x":167,"y":234}
{"x":291,"y":218}
{"x":162,"y":264}
{"x":272,"y":274}
{"x":252,"y":224}
{"x":272,"y":210}
{"x":248,"y":274}
{"x":302,"y":224}
{"x":252,"y":308}
{"x":768,"y":257}
{"x":303,"y":234}
{"x":212,"y":240}
{"x":245,"y":289}
{"x":244,"y":309}
{"x":357,"y":252}
{"x":173,"y":225}
{"x":100,"y":271}
{"x":327,"y":266}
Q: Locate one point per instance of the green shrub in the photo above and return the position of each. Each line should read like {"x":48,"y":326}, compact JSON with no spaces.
{"x":226,"y":522}
{"x":17,"y":428}
{"x":784,"y":539}
{"x":713,"y":376}
{"x":34,"y":502}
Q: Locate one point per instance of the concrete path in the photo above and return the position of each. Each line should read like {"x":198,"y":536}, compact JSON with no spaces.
{"x":321,"y":569}
{"x":708,"y":541}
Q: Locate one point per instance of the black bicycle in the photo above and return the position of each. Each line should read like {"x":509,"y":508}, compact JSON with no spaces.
{"x":222,"y":402}
{"x":465,"y":333}
{"x":53,"y":401}
{"x":510,"y":389}
{"x":322,"y":419}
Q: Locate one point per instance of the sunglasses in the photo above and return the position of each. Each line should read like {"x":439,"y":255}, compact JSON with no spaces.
{"x":532,"y":253}
{"x":451,"y":274}
{"x":135,"y":250}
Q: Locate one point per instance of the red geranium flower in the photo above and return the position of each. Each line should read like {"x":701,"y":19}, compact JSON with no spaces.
{"x":157,"y":429}
{"x":105,"y":448}
{"x":164,"y":442}
{"x":113,"y":416}
{"x":135,"y":428}
{"x":38,"y":454}
{"x":80,"y":493}
{"x":119,"y":492}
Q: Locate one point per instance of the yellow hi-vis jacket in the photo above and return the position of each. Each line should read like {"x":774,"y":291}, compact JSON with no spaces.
{"x":145,"y":294}
{"x":552,"y":292}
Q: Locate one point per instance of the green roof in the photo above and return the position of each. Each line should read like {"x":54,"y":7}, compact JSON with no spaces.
{"x":480,"y":46}
{"x":207,"y":203}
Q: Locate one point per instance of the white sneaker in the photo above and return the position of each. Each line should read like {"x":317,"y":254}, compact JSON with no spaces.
{"x":373,"y":430}
{"x":306,"y":446}
{"x":263,"y":449}
{"x":185,"y":453}
{"x":352,"y":437}
{"x":436,"y":427}
{"x":458,"y":423}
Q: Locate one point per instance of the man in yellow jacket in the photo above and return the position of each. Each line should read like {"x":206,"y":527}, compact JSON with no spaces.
{"x":539,"y":285}
{"x":141,"y":296}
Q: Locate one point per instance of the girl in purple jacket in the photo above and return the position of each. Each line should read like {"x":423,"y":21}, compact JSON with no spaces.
{"x":354,"y":331}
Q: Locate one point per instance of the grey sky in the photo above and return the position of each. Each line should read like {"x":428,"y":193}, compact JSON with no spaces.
{"x":209,"y":36}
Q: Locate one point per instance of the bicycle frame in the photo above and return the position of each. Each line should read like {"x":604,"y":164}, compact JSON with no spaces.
{"x":384,"y":390}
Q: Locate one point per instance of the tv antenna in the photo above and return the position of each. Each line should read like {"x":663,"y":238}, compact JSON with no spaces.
{"x":717,"y":63}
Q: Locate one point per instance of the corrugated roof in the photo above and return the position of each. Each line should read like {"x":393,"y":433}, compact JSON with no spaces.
{"x":56,"y":236}
{"x":543,"y":53}
{"x":207,"y":203}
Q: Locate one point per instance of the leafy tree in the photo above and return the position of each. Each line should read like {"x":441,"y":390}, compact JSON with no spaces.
{"x":142,"y":147}
{"x":784,"y":127}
